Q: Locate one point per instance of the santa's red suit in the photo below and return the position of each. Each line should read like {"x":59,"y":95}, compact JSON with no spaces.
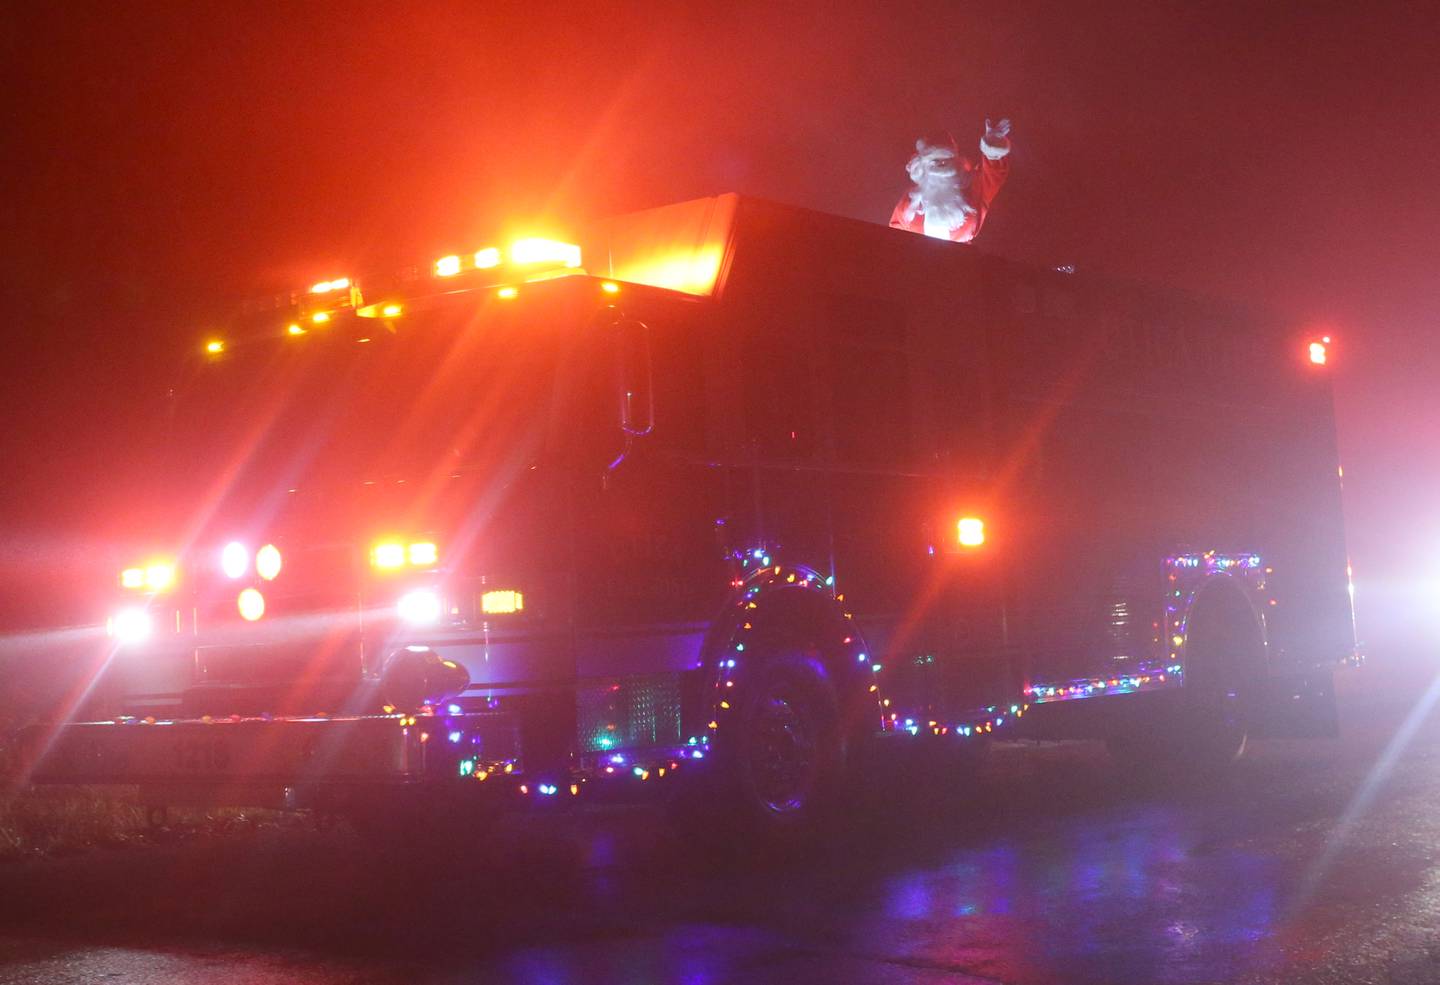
{"x":976,"y":185}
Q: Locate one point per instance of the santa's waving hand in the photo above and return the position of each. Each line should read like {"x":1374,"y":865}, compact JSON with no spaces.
{"x":952,"y":193}
{"x":996,"y":142}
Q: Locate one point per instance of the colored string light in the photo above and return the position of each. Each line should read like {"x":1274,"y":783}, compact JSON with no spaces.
{"x":1186,"y":574}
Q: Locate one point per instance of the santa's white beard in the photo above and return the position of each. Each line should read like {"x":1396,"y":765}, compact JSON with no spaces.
{"x":941,"y":199}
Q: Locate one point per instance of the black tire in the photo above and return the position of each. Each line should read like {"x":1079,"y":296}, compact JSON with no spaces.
{"x":778,"y":768}
{"x":1206,"y":731}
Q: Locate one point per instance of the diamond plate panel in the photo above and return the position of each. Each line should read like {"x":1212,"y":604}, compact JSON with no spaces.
{"x":629,"y":712}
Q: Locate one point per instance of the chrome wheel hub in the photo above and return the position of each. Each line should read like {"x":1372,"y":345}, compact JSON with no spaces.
{"x":782,"y":753}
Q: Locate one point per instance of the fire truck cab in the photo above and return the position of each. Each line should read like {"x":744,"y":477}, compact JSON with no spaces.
{"x":727,"y":490}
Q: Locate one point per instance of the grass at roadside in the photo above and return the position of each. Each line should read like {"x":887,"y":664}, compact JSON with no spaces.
{"x":48,"y":821}
{"x":65,"y":820}
{"x":69,"y":820}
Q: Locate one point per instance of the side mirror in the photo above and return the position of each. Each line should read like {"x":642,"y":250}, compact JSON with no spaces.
{"x":635,"y":377}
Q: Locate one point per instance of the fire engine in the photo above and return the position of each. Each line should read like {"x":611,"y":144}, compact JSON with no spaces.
{"x":727,"y":494}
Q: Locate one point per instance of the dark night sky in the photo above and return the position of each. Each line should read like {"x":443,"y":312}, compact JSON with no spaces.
{"x":162,"y":161}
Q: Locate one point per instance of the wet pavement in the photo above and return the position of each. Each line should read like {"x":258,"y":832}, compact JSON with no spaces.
{"x":1311,"y":862}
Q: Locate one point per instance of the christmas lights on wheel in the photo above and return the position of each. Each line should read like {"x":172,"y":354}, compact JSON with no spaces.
{"x":777,"y":769}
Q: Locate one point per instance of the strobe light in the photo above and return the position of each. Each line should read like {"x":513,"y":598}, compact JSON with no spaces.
{"x":251,"y":605}
{"x":234,"y":560}
{"x":158,"y":576}
{"x":502,"y":602}
{"x":970,"y":531}
{"x":392,"y":555}
{"x":419,"y":607}
{"x":129,"y":626}
{"x":423,"y":555}
{"x":268,"y":562}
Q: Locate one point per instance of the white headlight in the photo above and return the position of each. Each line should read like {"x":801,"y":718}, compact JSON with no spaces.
{"x":129,"y":625}
{"x":234,"y":560}
{"x":419,"y":606}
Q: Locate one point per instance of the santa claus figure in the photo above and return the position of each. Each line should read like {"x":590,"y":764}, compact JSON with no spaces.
{"x":952,"y":193}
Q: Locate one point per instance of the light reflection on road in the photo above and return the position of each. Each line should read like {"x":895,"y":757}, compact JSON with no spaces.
{"x":1065,"y":872}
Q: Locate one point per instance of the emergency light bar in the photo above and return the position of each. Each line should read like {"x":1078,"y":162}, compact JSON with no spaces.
{"x":546,"y":251}
{"x":329,"y":297}
{"x":391,"y":555}
{"x":537,"y":254}
{"x":682,"y":248}
{"x":157,"y":576}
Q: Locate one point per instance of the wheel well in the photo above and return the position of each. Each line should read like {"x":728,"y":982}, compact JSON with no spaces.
{"x":796,"y":618}
{"x":790,"y":615}
{"x":1224,"y":635}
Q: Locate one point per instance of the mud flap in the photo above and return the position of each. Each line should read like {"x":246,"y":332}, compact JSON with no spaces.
{"x":1295,"y":708}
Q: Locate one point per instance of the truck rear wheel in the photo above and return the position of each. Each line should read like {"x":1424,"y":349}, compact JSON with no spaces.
{"x":1224,"y":654}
